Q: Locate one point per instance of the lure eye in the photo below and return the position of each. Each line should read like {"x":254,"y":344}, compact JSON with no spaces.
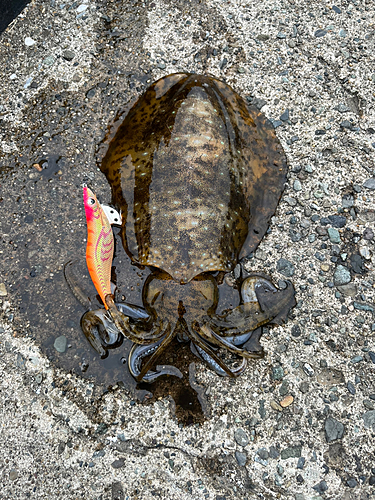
{"x":91,"y":201}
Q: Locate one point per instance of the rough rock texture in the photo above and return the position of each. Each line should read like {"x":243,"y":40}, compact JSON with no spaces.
{"x":71,"y":426}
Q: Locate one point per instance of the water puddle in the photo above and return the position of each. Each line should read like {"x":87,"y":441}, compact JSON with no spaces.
{"x":43,"y":227}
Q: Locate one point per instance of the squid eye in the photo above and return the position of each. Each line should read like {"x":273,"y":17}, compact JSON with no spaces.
{"x":91,"y":201}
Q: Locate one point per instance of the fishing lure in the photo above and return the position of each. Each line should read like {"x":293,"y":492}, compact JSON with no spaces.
{"x":100,"y":245}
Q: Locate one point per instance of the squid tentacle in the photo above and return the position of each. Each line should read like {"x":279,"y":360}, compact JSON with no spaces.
{"x":211,"y":336}
{"x":137,"y":353}
{"x":198,"y":341}
{"x":213,"y":365}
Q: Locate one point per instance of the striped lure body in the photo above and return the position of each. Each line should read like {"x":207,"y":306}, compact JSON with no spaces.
{"x":100,"y":244}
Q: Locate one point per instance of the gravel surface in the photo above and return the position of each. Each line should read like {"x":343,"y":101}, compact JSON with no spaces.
{"x":299,"y":424}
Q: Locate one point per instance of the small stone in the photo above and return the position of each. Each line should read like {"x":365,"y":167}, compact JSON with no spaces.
{"x":3,"y":290}
{"x":363,"y":307}
{"x":369,"y":419}
{"x":161,"y":65}
{"x":321,"y":487}
{"x":241,"y":458}
{"x":287,"y":401}
{"x":365,"y":253}
{"x":277,"y":373}
{"x":337,"y":220}
{"x":297,"y":186}
{"x":350,"y":388}
{"x":336,"y":9}
{"x":343,"y":33}
{"x":368,"y":234}
{"x":29,"y":41}
{"x":82,"y":7}
{"x":347,"y":200}
{"x":304,"y":387}
{"x":49,"y":60}
{"x":68,"y":55}
{"x":308,"y":369}
{"x":291,"y":201}
{"x":369,"y":184}
{"x":263,"y":453}
{"x":372,"y":356}
{"x":352,"y":483}
{"x":117,"y":464}
{"x":285,"y":116}
{"x":13,"y":474}
{"x":301,"y":463}
{"x":90,"y":93}
{"x":285,"y":267}
{"x":296,"y":331}
{"x":333,"y":429}
{"x":274,"y":452}
{"x":291,"y":452}
{"x":371,"y":481}
{"x":275,"y":405}
{"x":343,"y":108}
{"x":284,"y":388}
{"x":241,"y":437}
{"x":334,"y":235}
{"x":39,"y":378}
{"x":60,"y":343}
{"x":241,"y":70}
{"x":341,"y":276}
{"x":349,"y":290}
{"x":324,"y":267}
{"x":356,"y":359}
{"x":320,"y":33}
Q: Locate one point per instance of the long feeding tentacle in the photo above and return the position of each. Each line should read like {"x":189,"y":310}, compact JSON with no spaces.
{"x":209,"y":334}
{"x":199,"y":342}
{"x":214,"y":366}
{"x":139,"y":352}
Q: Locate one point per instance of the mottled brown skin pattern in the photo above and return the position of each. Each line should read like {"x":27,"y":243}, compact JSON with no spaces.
{"x":197,"y":175}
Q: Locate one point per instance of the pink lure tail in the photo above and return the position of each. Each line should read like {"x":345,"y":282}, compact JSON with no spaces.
{"x":100,"y":245}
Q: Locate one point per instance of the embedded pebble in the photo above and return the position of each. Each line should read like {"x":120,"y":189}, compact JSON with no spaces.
{"x":241,"y":458}
{"x":29,"y":41}
{"x":337,"y":220}
{"x":3,"y":290}
{"x":117,"y":464}
{"x":370,"y":183}
{"x":297,"y":186}
{"x":365,"y":253}
{"x":13,"y":474}
{"x":333,"y":429}
{"x":60,"y":343}
{"x":241,"y":437}
{"x":291,"y":452}
{"x":275,"y":405}
{"x":368,"y":234}
{"x":341,"y":276}
{"x":369,"y":419}
{"x":285,"y":267}
{"x":68,"y":55}
{"x":82,"y":7}
{"x":308,"y":369}
{"x":287,"y":401}
{"x":334,"y":235}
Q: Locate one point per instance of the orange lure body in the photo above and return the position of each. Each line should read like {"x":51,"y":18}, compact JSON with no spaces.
{"x":100,"y":244}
